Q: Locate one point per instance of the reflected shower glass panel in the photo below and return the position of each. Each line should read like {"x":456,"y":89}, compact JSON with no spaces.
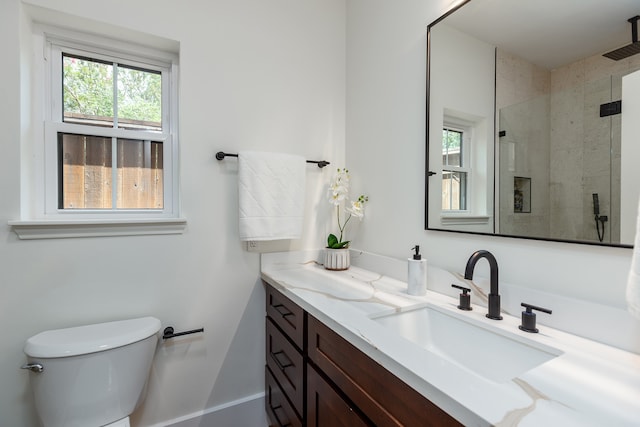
{"x":570,"y":150}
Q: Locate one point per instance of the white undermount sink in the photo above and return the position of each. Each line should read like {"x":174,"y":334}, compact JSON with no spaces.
{"x":488,"y":352}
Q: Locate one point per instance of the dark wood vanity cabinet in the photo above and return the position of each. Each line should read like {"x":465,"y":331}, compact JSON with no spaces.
{"x":327,"y":408}
{"x":316,"y":378}
{"x":384,"y":398}
{"x":286,"y":364}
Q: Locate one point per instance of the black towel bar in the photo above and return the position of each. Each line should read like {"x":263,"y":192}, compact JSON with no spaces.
{"x":321,"y":163}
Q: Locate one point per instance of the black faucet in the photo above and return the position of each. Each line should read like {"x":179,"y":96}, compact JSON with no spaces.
{"x":494,"y":296}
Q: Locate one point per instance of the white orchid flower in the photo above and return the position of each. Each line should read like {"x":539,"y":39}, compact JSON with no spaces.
{"x":356,"y":209}
{"x":338,"y":192}
{"x":336,"y":197}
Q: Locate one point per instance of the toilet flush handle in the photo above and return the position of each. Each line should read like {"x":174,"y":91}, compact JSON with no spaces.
{"x":33,"y":367}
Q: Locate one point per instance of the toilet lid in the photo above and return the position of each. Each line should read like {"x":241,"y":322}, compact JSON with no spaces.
{"x":90,"y":338}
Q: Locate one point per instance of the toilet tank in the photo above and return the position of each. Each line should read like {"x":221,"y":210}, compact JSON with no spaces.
{"x":93,"y":375}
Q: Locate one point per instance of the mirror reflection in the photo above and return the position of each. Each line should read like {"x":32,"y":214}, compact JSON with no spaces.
{"x":531,"y":127}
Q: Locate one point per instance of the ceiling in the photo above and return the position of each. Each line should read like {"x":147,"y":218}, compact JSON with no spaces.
{"x":549,"y":33}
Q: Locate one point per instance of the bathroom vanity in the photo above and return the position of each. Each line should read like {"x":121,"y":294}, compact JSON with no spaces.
{"x":353,"y":348}
{"x":343,"y":385}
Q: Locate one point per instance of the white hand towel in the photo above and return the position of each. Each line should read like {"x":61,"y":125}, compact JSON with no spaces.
{"x":633,"y":283}
{"x":271,"y":188}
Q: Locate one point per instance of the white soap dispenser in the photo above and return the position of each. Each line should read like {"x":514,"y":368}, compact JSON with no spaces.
{"x":417,"y":277}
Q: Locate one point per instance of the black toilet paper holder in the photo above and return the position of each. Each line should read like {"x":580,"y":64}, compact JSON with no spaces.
{"x":170,"y":333}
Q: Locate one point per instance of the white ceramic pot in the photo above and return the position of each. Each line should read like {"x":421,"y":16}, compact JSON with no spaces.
{"x":337,"y":259}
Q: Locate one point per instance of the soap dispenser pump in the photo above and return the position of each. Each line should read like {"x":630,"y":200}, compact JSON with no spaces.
{"x":417,"y":274}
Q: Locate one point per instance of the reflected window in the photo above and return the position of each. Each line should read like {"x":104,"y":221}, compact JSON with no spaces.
{"x":455,"y":172}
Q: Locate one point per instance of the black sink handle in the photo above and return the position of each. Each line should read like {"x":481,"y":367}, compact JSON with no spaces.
{"x":529,"y":317}
{"x":465,"y":298}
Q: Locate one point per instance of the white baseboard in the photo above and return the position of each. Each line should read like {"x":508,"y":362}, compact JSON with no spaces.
{"x":246,"y":412}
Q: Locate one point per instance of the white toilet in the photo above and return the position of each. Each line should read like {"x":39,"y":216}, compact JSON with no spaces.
{"x":93,"y":375}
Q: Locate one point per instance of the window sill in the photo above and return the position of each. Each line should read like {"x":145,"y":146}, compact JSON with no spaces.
{"x":62,"y":229}
{"x":464,"y":219}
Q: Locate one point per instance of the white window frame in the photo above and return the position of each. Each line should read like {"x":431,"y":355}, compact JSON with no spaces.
{"x":44,"y":219}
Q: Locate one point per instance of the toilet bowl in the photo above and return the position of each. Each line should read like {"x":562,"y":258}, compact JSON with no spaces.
{"x":93,"y":375}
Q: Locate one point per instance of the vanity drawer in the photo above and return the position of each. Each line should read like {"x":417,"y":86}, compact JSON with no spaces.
{"x":280,"y":411}
{"x":287,"y":315}
{"x":386,"y":399}
{"x":287,"y":365}
{"x":327,"y":408}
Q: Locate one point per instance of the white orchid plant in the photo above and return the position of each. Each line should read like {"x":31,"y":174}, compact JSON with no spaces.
{"x":338,"y":196}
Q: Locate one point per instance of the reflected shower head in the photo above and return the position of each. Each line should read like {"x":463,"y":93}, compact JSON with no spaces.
{"x":630,"y":49}
{"x":624,"y":52}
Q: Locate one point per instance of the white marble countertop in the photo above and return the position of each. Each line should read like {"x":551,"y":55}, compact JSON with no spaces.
{"x":586,"y":384}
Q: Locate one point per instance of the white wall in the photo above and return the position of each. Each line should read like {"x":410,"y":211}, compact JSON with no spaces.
{"x":386,"y":47}
{"x":254,"y":74}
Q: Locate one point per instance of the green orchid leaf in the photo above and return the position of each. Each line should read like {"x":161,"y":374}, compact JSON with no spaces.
{"x":334,"y":243}
{"x":341,"y":245}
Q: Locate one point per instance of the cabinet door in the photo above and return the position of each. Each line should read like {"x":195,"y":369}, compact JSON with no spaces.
{"x":280,"y":411}
{"x":386,"y":399}
{"x":326,"y":408}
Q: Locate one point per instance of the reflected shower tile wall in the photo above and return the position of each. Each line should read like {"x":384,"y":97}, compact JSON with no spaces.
{"x":566,"y":192}
{"x":567,"y":77}
{"x":598,"y":67}
{"x":518,"y":80}
{"x":524,"y":115}
{"x":576,"y":154}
